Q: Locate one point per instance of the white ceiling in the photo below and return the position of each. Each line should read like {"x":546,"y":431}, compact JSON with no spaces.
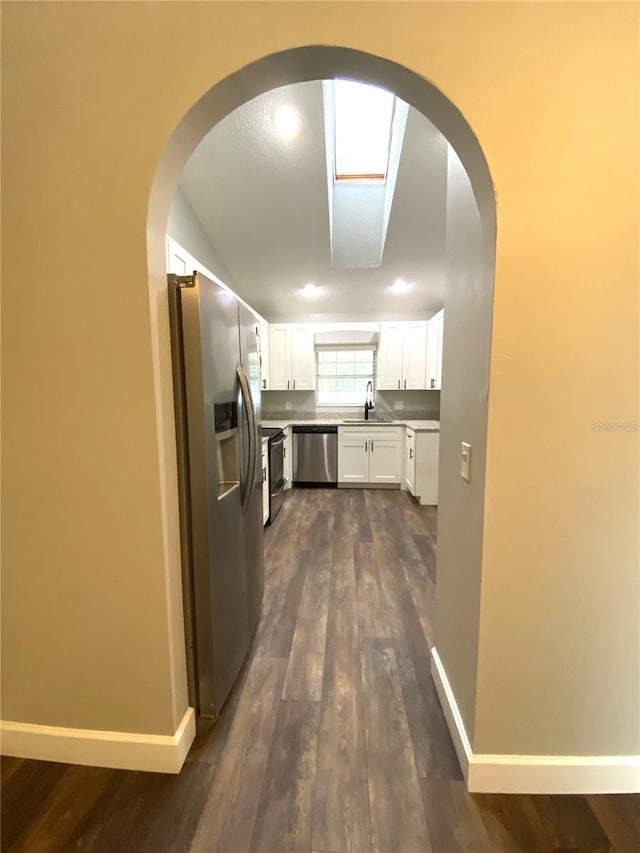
{"x":263,"y":203}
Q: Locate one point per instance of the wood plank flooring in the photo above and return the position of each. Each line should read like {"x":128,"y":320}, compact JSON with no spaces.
{"x":333,"y":739}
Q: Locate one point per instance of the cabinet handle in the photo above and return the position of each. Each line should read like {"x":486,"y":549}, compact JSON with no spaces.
{"x":366,"y":446}
{"x":288,"y":384}
{"x":372,"y":446}
{"x":398,"y":384}
{"x":433,"y":383}
{"x":264,"y":384}
{"x":405,"y":384}
{"x":294,"y":384}
{"x":264,"y":475}
{"x":410,"y":453}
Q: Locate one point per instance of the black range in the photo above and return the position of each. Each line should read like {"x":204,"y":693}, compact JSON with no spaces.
{"x":277,"y":483}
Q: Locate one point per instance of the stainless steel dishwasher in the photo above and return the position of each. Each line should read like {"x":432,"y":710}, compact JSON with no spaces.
{"x":315,"y":455}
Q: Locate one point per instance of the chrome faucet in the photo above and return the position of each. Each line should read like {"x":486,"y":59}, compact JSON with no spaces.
{"x":368,"y":400}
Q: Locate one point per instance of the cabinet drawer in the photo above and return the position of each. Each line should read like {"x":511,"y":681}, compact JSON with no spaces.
{"x":364,"y":432}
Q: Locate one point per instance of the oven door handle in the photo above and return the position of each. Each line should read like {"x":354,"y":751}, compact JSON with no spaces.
{"x":281,"y":487}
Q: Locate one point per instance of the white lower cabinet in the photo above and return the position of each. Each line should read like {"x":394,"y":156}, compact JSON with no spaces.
{"x":353,"y":457}
{"x":371,"y":456}
{"x":265,"y":480}
{"x":421,"y":466}
{"x":410,"y":461}
{"x":287,"y":458}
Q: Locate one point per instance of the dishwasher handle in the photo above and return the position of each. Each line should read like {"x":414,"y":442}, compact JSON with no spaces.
{"x":315,"y":429}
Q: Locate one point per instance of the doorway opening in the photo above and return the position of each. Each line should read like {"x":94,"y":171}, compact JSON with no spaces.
{"x":468,"y":297}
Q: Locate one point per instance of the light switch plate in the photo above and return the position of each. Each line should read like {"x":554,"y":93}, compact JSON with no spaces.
{"x":287,"y":405}
{"x":465,"y":461}
{"x":398,"y":405}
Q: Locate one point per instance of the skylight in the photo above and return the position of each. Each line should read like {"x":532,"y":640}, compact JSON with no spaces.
{"x":362,"y":130}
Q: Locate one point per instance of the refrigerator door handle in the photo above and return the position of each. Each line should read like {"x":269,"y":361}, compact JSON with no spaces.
{"x":251,"y":417}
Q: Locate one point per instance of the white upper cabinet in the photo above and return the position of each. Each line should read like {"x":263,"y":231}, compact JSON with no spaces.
{"x":303,"y":366}
{"x":264,"y":355}
{"x":390,"y":357}
{"x":279,"y":358}
{"x":434,"y":351}
{"x":414,"y":357}
{"x":402,"y":356}
{"x":291,"y":358}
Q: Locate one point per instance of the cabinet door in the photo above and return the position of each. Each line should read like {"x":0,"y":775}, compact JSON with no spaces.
{"x":434,"y":351}
{"x":353,"y":460}
{"x":390,"y":357}
{"x":414,"y":357}
{"x":385,"y":461}
{"x":264,"y":355}
{"x":279,"y":358}
{"x":427,"y":448}
{"x":439,"y":351}
{"x":303,"y":366}
{"x":410,"y":463}
{"x":287,"y":458}
{"x":178,"y":261}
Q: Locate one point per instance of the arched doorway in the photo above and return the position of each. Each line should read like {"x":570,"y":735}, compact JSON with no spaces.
{"x":467,"y":347}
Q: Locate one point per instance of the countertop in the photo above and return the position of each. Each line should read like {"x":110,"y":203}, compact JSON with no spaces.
{"x":417,"y":426}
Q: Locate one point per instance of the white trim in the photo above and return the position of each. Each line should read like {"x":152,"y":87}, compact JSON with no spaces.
{"x":123,"y":750}
{"x":451,"y":714}
{"x":555,"y":774}
{"x":532,"y":774}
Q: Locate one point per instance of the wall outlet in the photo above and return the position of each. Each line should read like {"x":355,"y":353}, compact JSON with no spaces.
{"x":465,"y":461}
{"x":398,"y":405}
{"x":287,"y":405}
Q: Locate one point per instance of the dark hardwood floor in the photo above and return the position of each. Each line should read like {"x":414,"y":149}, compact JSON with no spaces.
{"x":333,"y":739}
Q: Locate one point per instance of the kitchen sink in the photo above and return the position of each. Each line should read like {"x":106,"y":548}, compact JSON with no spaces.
{"x":364,"y":421}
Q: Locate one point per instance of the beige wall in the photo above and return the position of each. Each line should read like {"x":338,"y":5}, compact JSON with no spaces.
{"x":91,"y":94}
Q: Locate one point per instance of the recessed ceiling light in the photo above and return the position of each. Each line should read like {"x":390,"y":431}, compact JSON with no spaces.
{"x":400,"y":286}
{"x":311,"y":290}
{"x":287,"y":121}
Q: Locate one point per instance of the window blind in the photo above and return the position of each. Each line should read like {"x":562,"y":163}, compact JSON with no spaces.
{"x":342,"y":374}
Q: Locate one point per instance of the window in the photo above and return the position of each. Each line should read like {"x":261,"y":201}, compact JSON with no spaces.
{"x":363,"y":116}
{"x":342,"y":374}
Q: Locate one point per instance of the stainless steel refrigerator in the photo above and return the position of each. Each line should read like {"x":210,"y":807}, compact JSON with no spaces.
{"x":216,"y":370}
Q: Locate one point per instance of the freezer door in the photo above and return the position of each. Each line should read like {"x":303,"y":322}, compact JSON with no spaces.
{"x":205,"y":338}
{"x":253,"y":527}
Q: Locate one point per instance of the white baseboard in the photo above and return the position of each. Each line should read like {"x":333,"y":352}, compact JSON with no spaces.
{"x":532,"y":774}
{"x":451,"y":714}
{"x":122,"y":750}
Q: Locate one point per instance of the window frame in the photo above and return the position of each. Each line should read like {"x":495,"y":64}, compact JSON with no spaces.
{"x":372,"y":177}
{"x":369,"y":377}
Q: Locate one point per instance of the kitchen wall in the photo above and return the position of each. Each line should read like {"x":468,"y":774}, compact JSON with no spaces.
{"x":90,"y":555}
{"x":186,"y":229}
{"x":416,"y":405}
{"x":465,"y":385}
